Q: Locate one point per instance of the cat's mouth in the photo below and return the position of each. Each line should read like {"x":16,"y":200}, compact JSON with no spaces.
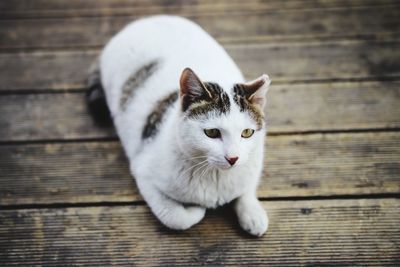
{"x":226,"y":167}
{"x":222,"y":165}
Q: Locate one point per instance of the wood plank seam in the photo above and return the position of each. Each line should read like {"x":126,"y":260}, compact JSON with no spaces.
{"x":63,"y":205}
{"x":209,"y":10}
{"x":115,"y":138}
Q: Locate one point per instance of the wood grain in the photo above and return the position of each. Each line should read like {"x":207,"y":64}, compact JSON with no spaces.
{"x":226,"y":27}
{"x":46,"y":117}
{"x":334,"y":106}
{"x":299,"y":165}
{"x":45,"y":70}
{"x":12,"y":9}
{"x":291,"y":108}
{"x":306,"y":233}
{"x":285,"y":63}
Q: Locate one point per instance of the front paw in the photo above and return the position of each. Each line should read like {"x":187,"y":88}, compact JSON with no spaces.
{"x":253,"y":219}
{"x":182,"y":218}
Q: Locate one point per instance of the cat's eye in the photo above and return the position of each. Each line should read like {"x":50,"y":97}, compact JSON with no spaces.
{"x":246,"y":133}
{"x":212,"y":133}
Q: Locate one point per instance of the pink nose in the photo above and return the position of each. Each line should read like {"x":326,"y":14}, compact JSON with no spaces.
{"x":232,"y":160}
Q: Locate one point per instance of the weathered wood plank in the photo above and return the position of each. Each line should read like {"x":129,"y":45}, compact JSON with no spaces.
{"x":291,"y":108}
{"x":306,"y":233}
{"x":65,"y":172}
{"x":73,"y":8}
{"x":316,"y":61}
{"x":303,"y":165}
{"x":45,"y":70}
{"x":47,"y":116}
{"x":226,"y":26}
{"x":60,"y":71}
{"x":334,"y":106}
{"x":284,"y":63}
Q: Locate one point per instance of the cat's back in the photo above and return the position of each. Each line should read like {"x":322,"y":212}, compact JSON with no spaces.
{"x":163,"y":46}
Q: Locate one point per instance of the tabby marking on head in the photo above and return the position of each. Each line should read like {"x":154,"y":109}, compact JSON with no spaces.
{"x":241,"y":97}
{"x":202,"y":105}
{"x":134,"y":81}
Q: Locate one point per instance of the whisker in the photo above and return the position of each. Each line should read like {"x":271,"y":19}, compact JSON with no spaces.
{"x":199,"y":157}
{"x":193,"y":166}
{"x":204,"y":172}
{"x":193,"y":174}
{"x":198,"y":169}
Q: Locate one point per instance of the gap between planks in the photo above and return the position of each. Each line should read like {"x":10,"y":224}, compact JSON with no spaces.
{"x":122,"y":203}
{"x":125,"y":8}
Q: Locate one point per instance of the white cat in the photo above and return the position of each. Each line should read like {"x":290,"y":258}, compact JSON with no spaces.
{"x":194,"y":141}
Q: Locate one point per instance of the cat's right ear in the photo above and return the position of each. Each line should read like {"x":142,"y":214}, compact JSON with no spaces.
{"x":191,"y":88}
{"x":257,"y":89}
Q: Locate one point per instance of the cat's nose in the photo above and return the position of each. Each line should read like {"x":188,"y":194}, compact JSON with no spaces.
{"x":231,"y":160}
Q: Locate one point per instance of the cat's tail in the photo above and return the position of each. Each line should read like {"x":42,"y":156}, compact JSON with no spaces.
{"x":96,"y":99}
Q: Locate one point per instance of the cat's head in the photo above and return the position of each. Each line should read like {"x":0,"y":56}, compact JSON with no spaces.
{"x":221,"y":125}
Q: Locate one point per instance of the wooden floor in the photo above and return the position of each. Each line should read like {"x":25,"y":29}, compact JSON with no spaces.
{"x":332,"y":171}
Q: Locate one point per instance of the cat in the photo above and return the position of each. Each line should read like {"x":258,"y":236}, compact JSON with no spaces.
{"x":192,"y":128}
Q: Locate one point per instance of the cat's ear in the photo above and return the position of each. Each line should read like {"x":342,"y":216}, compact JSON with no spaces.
{"x":192,"y":88}
{"x":256,"y":90}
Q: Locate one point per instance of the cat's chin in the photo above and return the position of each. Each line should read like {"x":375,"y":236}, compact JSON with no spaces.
{"x":224,"y":167}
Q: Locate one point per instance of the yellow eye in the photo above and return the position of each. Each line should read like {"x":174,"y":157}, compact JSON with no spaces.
{"x":246,"y":133}
{"x":212,"y":133}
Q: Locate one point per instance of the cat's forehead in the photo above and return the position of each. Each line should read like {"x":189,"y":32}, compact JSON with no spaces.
{"x":224,"y":105}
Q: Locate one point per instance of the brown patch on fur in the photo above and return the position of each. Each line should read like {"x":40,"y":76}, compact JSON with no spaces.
{"x":134,"y":81}
{"x":155,"y":118}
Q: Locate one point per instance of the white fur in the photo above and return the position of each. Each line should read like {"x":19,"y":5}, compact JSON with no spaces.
{"x":168,"y":168}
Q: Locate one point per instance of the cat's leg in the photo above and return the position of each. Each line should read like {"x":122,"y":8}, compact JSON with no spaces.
{"x":252,"y":216}
{"x":170,"y":212}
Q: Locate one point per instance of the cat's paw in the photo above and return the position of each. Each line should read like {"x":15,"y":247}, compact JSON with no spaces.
{"x":183,"y":218}
{"x":192,"y":216}
{"x":253,"y":219}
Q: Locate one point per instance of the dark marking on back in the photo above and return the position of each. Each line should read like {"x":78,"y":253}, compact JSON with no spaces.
{"x":204,"y":104}
{"x":156,"y":116}
{"x":134,"y":81}
{"x":241,"y":98}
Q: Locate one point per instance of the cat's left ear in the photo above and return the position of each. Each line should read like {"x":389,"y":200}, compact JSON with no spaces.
{"x":256,"y":90}
{"x":192,"y":89}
